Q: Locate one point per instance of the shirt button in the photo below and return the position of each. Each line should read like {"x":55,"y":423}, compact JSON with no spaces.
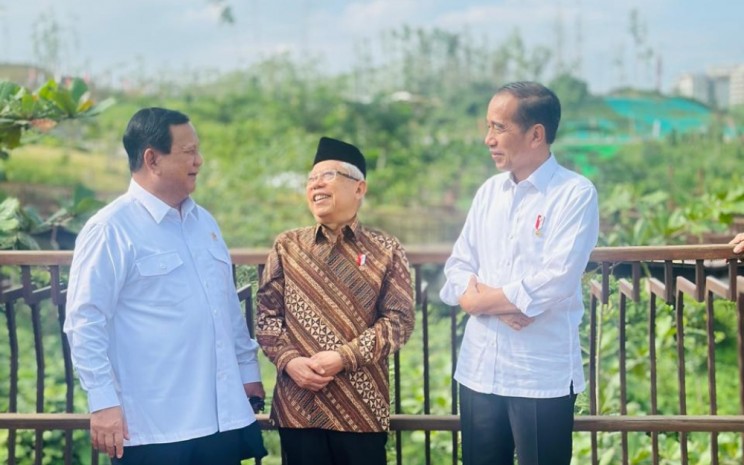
{"x":215,"y":311}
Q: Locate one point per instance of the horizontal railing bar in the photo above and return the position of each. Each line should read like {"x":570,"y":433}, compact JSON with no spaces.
{"x":44,"y":421}
{"x":667,"y":252}
{"x":661,"y":423}
{"x":419,"y":255}
{"x":35,"y":257}
{"x":582,"y":423}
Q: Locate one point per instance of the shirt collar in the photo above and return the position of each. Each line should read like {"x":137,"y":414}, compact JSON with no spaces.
{"x":156,"y":207}
{"x":540,"y":177}
{"x":349,"y":231}
{"x":543,"y":174}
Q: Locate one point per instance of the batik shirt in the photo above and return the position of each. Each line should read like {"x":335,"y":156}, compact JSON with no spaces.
{"x":351,"y":294}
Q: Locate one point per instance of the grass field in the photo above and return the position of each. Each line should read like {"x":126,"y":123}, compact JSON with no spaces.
{"x":44,"y":177}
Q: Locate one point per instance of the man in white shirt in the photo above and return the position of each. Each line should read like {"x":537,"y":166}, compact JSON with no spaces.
{"x":153,"y":319}
{"x":516,"y":270}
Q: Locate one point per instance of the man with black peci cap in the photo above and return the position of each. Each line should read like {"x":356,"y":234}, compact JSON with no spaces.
{"x":336,"y":300}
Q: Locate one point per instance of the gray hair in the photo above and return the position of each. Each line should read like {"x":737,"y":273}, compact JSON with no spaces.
{"x":352,"y":170}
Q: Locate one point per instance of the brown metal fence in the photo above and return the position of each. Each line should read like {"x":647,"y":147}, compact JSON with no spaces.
{"x":662,"y":323}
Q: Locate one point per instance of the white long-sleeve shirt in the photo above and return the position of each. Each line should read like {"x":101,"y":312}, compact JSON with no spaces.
{"x":533,"y":240}
{"x":154,"y":322}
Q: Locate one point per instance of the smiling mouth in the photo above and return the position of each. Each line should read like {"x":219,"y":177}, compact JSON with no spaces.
{"x":320,"y":197}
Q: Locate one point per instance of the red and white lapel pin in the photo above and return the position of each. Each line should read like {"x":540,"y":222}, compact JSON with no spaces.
{"x":361,"y":259}
{"x":539,"y":223}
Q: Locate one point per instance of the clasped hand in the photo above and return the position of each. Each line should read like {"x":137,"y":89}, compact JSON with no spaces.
{"x":475,"y":301}
{"x":314,"y":373}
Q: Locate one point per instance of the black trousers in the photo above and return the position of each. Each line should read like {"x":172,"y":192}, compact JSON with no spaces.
{"x":222,"y":448}
{"x":493,"y":427}
{"x":313,"y":446}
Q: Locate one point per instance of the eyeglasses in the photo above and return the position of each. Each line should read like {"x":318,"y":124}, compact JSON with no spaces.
{"x":328,"y":176}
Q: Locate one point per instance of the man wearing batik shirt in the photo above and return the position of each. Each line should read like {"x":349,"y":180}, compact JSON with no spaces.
{"x":335,"y":302}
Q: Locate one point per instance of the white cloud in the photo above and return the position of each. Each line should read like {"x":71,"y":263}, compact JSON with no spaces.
{"x":207,"y":13}
{"x":361,"y":18}
{"x":510,"y":14}
{"x":171,"y":34}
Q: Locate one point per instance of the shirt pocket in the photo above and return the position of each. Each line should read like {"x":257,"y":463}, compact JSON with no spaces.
{"x":220,"y":268}
{"x":161,"y":280}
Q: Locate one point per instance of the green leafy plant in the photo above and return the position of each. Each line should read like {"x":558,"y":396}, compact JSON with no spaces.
{"x":22,"y":109}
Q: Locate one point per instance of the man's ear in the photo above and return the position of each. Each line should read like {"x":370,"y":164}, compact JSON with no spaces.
{"x":361,"y":188}
{"x":150,"y":159}
{"x":537,"y":134}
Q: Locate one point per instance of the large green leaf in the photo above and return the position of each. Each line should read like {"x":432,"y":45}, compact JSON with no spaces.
{"x":78,"y":90}
{"x":7,"y":91}
{"x":9,"y":207}
{"x":9,"y":224}
{"x":10,"y":137}
{"x":28,"y":105}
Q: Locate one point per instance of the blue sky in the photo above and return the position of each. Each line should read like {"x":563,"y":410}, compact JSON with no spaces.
{"x":127,"y":38}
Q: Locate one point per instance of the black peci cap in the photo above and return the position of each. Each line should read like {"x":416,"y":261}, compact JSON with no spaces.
{"x":334,"y":149}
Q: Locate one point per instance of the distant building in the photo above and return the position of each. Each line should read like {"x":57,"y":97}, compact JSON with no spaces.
{"x":695,"y":86}
{"x":721,"y":86}
{"x":736,"y":87}
{"x":29,"y":76}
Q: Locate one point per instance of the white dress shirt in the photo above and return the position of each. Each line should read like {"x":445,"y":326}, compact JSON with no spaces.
{"x":154,"y":322}
{"x":533,"y":240}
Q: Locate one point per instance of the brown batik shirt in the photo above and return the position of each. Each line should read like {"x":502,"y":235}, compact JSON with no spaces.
{"x":352,"y":295}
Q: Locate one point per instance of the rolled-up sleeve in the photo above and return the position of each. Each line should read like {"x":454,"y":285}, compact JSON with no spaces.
{"x":463,"y":262}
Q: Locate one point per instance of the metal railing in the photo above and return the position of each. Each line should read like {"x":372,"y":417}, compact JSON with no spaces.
{"x":662,"y":323}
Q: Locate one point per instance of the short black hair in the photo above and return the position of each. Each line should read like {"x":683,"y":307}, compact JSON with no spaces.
{"x":537,"y":105}
{"x":150,"y":128}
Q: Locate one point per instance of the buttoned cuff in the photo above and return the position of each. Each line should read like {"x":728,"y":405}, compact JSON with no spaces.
{"x":101,"y":398}
{"x":517,"y":295}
